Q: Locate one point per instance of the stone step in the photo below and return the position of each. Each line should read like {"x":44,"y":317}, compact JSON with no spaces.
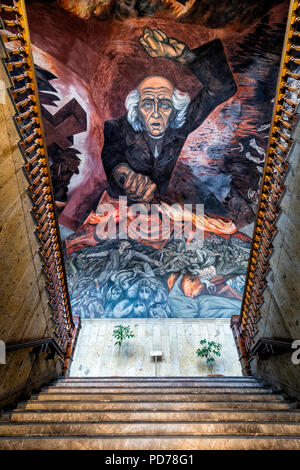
{"x":169,"y":416}
{"x":152,"y":443}
{"x":179,"y":377}
{"x":158,"y":380}
{"x":148,"y":429}
{"x":195,"y":396}
{"x":161,"y":385}
{"x":160,"y":390}
{"x":72,"y":405}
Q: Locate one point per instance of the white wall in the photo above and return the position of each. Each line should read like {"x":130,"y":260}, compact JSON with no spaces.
{"x":96,"y":355}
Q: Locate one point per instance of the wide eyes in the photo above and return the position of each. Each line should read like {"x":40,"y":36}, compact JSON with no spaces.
{"x":148,"y":105}
{"x":164,"y":105}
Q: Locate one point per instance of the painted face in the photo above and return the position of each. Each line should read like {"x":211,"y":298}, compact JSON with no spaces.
{"x":139,"y":308}
{"x":157,"y":311}
{"x":144,"y":292}
{"x":123,"y":246}
{"x":240,"y":283}
{"x":155,"y":105}
{"x":81,"y":263}
{"x":116,"y":293}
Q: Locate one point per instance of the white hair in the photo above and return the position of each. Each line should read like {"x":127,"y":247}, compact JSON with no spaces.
{"x":180,"y":102}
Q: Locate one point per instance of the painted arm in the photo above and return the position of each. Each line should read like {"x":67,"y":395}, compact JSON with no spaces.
{"x":208,"y":62}
{"x":138,"y":187}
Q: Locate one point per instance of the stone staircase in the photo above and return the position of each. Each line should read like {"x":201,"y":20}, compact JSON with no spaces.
{"x":153,"y":413}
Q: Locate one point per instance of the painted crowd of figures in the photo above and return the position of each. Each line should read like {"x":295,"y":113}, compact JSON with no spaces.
{"x":128,"y":279}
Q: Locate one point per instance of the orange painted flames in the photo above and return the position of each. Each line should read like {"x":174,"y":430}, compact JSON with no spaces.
{"x":191,"y":285}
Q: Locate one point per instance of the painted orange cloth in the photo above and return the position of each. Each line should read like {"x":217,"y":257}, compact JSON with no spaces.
{"x":146,"y":228}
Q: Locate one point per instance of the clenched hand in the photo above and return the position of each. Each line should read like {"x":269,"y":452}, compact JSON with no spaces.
{"x":138,"y":187}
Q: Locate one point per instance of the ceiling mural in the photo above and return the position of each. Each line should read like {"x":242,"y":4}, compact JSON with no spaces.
{"x":156,"y":116}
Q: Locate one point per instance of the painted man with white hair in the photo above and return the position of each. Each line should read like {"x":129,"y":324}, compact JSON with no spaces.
{"x":141,"y":148}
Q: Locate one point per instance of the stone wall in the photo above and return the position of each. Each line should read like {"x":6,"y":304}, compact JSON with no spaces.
{"x":178,"y":339}
{"x":24,"y":314}
{"x":280,"y":313}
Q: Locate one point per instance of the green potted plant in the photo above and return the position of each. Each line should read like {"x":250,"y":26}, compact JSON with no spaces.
{"x":120,"y":333}
{"x":208,"y":350}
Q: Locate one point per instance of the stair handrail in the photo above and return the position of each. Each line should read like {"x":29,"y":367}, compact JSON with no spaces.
{"x":265,"y":347}
{"x":34,"y":343}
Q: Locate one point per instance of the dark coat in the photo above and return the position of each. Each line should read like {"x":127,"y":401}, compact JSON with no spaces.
{"x":122,"y":144}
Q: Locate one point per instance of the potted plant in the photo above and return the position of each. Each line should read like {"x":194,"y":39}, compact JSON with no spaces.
{"x":208,"y":350}
{"x":120,"y":333}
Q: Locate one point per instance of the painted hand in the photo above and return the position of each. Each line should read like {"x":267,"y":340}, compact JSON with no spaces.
{"x":158,"y":44}
{"x":211,"y":288}
{"x":138,"y":187}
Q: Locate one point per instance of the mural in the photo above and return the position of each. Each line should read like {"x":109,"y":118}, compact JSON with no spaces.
{"x":155,"y":112}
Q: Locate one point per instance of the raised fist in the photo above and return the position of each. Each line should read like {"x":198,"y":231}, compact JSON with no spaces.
{"x":138,"y":187}
{"x":158,"y":44}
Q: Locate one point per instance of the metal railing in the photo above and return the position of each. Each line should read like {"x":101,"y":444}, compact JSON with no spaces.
{"x":43,"y":343}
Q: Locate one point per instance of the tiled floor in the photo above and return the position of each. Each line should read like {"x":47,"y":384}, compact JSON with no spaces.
{"x":178,"y":339}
